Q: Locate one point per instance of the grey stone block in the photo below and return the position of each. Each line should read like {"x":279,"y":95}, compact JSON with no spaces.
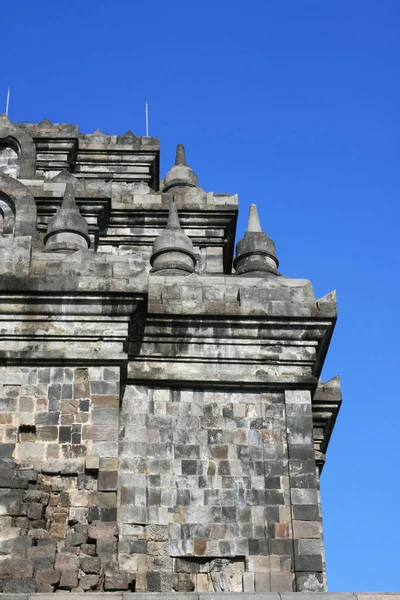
{"x":88,"y":582}
{"x":19,"y":586}
{"x":90,"y":564}
{"x":308,"y":562}
{"x":6,"y":450}
{"x":68,"y":579}
{"x":16,"y":568}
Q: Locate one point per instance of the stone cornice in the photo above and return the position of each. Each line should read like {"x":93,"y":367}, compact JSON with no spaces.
{"x":66,"y":327}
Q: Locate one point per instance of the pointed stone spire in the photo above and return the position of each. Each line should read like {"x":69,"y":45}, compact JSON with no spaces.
{"x":67,"y":231}
{"x":253,"y":223}
{"x":173,"y":249}
{"x":255,"y":253}
{"x":181,"y":175}
{"x":45,"y":124}
{"x":173,"y":218}
{"x":180,"y":157}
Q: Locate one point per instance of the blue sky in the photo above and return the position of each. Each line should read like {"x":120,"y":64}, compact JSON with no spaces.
{"x":294,"y":105}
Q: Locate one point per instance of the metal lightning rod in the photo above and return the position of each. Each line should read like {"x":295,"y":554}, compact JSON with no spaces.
{"x":8,"y":100}
{"x":147,"y":119}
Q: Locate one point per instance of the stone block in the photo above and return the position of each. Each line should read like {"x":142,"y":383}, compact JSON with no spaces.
{"x":262,"y":582}
{"x":105,"y":416}
{"x":47,"y":551}
{"x":306,"y":512}
{"x":68,"y":579}
{"x":44,"y":588}
{"x":157,"y":548}
{"x":49,"y":576}
{"x":203,"y":582}
{"x":19,"y":586}
{"x":77,"y":514}
{"x":90,"y":564}
{"x":42,"y":563}
{"x":304,"y":496}
{"x":35,"y":510}
{"x":99,"y":432}
{"x":248,"y":582}
{"x":89,"y":549}
{"x":161,"y":582}
{"x":89,"y":582}
{"x":16,"y":568}
{"x":281,"y":582}
{"x":38,"y":534}
{"x":308,"y":546}
{"x":116,"y":580}
{"x":106,"y":549}
{"x":308,"y":562}
{"x":10,"y":501}
{"x":102,"y":531}
{"x":79,"y":498}
{"x":108,"y":464}
{"x":306,"y":529}
{"x":59,"y":529}
{"x":258,"y":564}
{"x":67,"y":561}
{"x":92,"y":462}
{"x":6,"y":450}
{"x":76,"y":539}
{"x":84,"y":481}
{"x":104,"y":499}
{"x":107,"y":481}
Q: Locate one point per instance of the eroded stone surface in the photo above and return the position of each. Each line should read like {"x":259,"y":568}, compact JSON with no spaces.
{"x":160,"y":431}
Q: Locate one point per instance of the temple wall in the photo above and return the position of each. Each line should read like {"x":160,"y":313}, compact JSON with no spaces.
{"x":160,"y":432}
{"x":180,"y":489}
{"x":218,"y":490}
{"x":58,"y":479}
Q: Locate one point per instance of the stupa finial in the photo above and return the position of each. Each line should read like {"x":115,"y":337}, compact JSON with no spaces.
{"x":180,"y":157}
{"x":253,"y":223}
{"x":67,"y":231}
{"x":173,"y":222}
{"x":255,"y":252}
{"x":173,"y":249}
{"x":180,"y":175}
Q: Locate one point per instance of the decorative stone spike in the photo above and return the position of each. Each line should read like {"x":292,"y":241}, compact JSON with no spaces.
{"x":129,"y":134}
{"x":45,"y":123}
{"x":180,"y":157}
{"x":255,"y":253}
{"x":173,"y":219}
{"x":181,"y":175}
{"x":173,"y":249}
{"x":253,"y":223}
{"x":67,"y":231}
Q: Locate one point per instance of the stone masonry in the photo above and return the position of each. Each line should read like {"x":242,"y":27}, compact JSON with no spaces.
{"x":163,"y":425}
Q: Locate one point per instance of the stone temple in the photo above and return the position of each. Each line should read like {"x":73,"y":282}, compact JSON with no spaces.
{"x":163,"y":424}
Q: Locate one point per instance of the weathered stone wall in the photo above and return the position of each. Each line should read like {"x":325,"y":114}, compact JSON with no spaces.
{"x":217,"y":491}
{"x":156,"y":428}
{"x":58,"y":479}
{"x":211,"y":596}
{"x":219,"y":482}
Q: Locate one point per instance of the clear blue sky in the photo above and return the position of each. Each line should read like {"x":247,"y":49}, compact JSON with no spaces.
{"x":293,"y":104}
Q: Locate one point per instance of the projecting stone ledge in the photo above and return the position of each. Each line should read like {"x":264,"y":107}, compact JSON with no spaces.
{"x":209,"y":596}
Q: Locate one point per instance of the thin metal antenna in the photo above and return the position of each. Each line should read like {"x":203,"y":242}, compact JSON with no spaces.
{"x":147,"y":119}
{"x":8,"y":100}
